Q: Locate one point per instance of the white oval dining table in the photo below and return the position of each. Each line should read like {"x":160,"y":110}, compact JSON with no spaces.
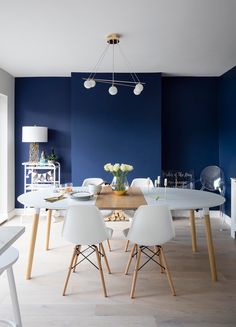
{"x":177,"y":199}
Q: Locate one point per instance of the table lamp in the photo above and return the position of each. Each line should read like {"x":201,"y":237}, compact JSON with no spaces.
{"x":34,"y":135}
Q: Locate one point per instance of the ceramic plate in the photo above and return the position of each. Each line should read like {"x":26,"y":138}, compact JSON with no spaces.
{"x":81,"y":196}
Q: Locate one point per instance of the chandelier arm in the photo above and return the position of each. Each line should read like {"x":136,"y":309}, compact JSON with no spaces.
{"x":110,"y":80}
{"x":133,"y":74}
{"x":90,"y":82}
{"x":115,"y":83}
{"x":113,"y":63}
{"x":96,"y":67}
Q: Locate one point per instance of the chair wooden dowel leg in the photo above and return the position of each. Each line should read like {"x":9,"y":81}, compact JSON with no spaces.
{"x":130,"y":259}
{"x":109,"y":245}
{"x":159,"y":259}
{"x":69,"y":270}
{"x":49,"y":220}
{"x":105,"y":258}
{"x":101,"y":272}
{"x":135,"y":273}
{"x":126,"y":245}
{"x":210,"y":247}
{"x":168,"y":272}
{"x":76,"y":257}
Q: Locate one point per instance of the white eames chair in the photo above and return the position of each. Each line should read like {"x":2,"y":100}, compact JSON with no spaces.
{"x":105,"y":213}
{"x":152,"y":227}
{"x":92,"y":180}
{"x":145,"y":184}
{"x":84,"y":225}
{"x":7,"y":259}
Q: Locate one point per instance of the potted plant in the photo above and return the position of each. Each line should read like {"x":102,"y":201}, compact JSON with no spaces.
{"x":119,"y":183}
{"x":52,"y":157}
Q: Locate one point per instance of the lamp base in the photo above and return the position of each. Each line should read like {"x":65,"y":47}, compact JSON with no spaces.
{"x":34,"y":152}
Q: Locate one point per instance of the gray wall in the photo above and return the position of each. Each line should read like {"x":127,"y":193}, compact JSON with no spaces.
{"x":7,"y":87}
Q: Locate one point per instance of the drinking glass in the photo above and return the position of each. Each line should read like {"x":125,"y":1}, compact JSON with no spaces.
{"x":68,"y":187}
{"x":56,"y":188}
{"x":62,"y":188}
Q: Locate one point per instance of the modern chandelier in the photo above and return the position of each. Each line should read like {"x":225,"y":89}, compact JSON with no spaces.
{"x":113,"y":41}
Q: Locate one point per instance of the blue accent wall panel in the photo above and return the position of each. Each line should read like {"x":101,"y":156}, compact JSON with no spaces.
{"x":121,"y":128}
{"x":227,"y":129}
{"x":43,"y":101}
{"x":189,"y":123}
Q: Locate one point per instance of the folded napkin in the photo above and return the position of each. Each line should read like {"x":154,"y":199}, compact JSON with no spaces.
{"x":55,"y":198}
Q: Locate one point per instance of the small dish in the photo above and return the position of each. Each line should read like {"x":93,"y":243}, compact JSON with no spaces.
{"x":81,"y":196}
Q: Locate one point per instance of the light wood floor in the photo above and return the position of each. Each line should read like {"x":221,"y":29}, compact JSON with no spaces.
{"x":199,"y":301}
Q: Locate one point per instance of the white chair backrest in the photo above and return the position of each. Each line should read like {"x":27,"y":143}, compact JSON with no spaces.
{"x":84,"y":225}
{"x":142,"y":182}
{"x":92,"y":180}
{"x":152,"y":225}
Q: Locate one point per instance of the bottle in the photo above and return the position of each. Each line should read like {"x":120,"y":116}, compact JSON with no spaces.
{"x":43,"y":157}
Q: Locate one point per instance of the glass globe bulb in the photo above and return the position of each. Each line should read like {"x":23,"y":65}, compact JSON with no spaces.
{"x":113,"y":90}
{"x":87,"y":84}
{"x":92,"y":83}
{"x":139,"y":87}
{"x":136,"y":92}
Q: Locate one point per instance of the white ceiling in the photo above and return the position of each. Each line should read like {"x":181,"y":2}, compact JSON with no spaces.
{"x":177,"y":37}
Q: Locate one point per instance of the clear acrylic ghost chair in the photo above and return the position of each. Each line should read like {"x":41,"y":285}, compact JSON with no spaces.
{"x":105,"y":213}
{"x":212,"y":179}
{"x":145,"y":184}
{"x":7,"y":259}
{"x":152,"y":227}
{"x":84,"y":225}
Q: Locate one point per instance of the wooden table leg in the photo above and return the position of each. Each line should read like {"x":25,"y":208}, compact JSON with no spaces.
{"x":49,"y":220}
{"x":210,"y":246}
{"x":193,"y":230}
{"x":32,"y":244}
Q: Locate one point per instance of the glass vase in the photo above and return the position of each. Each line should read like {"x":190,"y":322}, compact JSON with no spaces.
{"x":119,"y":184}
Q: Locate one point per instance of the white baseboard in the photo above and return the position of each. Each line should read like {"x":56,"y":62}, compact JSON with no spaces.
{"x":7,"y":215}
{"x":198,"y":214}
{"x":26,"y":211}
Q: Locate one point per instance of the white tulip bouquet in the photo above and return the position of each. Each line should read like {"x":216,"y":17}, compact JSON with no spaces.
{"x":119,"y":172}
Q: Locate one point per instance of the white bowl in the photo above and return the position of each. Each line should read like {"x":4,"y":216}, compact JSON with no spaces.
{"x":94,"y":189}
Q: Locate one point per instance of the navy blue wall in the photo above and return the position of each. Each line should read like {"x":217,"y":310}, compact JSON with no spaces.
{"x":227,"y":129}
{"x":46,"y":102}
{"x":181,"y":132}
{"x":122,"y":128}
{"x":189,"y":123}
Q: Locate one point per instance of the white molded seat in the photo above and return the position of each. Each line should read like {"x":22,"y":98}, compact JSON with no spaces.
{"x":96,"y":181}
{"x":7,"y":259}
{"x":92,"y":180}
{"x":105,"y":213}
{"x":84,"y":225}
{"x":152,"y":226}
{"x":142,"y":183}
{"x":145,"y":184}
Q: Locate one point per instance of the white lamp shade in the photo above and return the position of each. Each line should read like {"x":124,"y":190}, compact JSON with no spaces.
{"x":34,"y":134}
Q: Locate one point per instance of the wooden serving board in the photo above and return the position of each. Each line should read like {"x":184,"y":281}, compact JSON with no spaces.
{"x":131,"y":200}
